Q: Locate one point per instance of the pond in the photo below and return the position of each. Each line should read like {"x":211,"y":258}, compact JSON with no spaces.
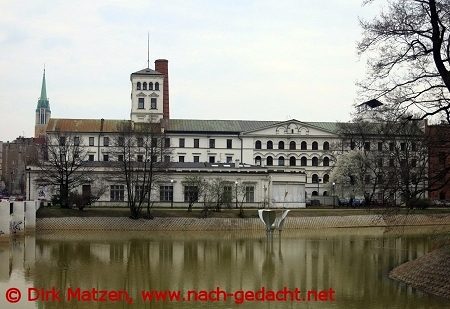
{"x":323,"y":268}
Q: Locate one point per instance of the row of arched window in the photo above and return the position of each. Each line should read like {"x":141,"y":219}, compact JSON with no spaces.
{"x":144,"y":86}
{"x":293,"y":161}
{"x":293,"y":145}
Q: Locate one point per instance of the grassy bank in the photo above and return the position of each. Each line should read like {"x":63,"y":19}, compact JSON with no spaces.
{"x":56,"y":212}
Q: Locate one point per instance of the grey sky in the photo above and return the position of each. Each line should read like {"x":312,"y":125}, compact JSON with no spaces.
{"x":256,"y":60}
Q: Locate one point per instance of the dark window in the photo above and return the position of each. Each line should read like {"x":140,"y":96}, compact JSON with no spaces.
{"x":413,"y":146}
{"x":229,"y":143}
{"x":190,"y":193}
{"x":117,"y":192}
{"x":212,"y":159}
{"x":121,"y":141}
{"x":403,"y":146}
{"x":120,"y":158}
{"x":380,"y":162}
{"x":414,"y":163}
{"x":250,"y":194}
{"x":167,"y":142}
{"x":155,"y":158}
{"x":144,"y":86}
{"x":366,"y":145}
{"x":140,"y":158}
{"x":62,"y":141}
{"x":391,"y":146}
{"x":257,"y":160}
{"x":156,"y":86}
{"x":154,"y":142}
{"x":326,"y":178}
{"x":292,"y":145}
{"x":226,"y":194}
{"x":105,"y":157}
{"x":303,"y":161}
{"x":91,"y":141}
{"x":280,"y":145}
{"x":315,"y":146}
{"x":150,"y":86}
{"x":76,"y":141}
{"x":105,"y":141}
{"x":138,"y":86}
{"x":140,"y":142}
{"x":281,"y":161}
{"x":269,"y":145}
{"x":380,"y":146}
{"x":196,"y":158}
{"x":181,"y":143}
{"x":91,"y":157}
{"x":212,"y":143}
{"x":258,"y":145}
{"x":303,"y":146}
{"x":153,"y":103}
{"x":292,"y":161}
{"x":352,"y":145}
{"x":167,"y":159}
{"x":229,"y":159}
{"x":196,"y":143}
{"x":269,"y":161}
{"x":166,"y":193}
{"x":326,"y":146}
{"x":326,"y":161}
{"x":315,"y":161}
{"x":315,"y":178}
{"x":141,"y":103}
{"x":391,"y":162}
{"x":181,"y":159}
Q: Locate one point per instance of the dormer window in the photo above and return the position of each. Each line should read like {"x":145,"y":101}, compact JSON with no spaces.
{"x":156,"y":86}
{"x":138,"y":86}
{"x":150,"y":86}
{"x":144,"y":86}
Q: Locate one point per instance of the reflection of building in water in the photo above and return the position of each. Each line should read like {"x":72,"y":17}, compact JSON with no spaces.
{"x":350,"y":264}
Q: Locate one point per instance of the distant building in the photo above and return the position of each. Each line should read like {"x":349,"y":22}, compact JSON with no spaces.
{"x":43,"y":112}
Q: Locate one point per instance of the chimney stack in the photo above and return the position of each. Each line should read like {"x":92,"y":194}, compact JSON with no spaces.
{"x":162,"y":66}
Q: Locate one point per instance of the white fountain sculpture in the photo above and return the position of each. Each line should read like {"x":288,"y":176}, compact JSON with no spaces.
{"x":268,"y":217}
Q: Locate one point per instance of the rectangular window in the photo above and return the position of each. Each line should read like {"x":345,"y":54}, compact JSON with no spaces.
{"x":190,"y":194}
{"x":117,"y":192}
{"x":166,"y":193}
{"x":154,"y":142}
{"x":391,"y":162}
{"x":76,"y":141}
{"x":141,"y":103}
{"x":106,"y":141}
{"x":413,"y":146}
{"x":105,"y":157}
{"x":196,"y":143}
{"x":229,"y":143}
{"x":62,"y":141}
{"x":91,"y":157}
{"x":366,"y":145}
{"x":120,"y":158}
{"x":414,"y":163}
{"x":250,"y":194}
{"x":167,"y":142}
{"x":181,"y":159}
{"x":212,"y":143}
{"x":91,"y":141}
{"x":380,"y":162}
{"x":140,"y":158}
{"x":403,"y":146}
{"x":154,"y":159}
{"x":212,"y":159}
{"x":196,"y":158}
{"x":181,"y":142}
{"x":167,"y":159}
{"x":227,"y":194}
{"x":153,"y":103}
{"x":391,"y":146}
{"x":139,"y":192}
{"x":380,"y":146}
{"x":229,"y":159}
{"x":121,"y":141}
{"x":140,"y":142}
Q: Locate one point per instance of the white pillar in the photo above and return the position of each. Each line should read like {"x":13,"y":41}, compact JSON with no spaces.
{"x":18,"y":224}
{"x":4,"y":221}
{"x":30,"y":216}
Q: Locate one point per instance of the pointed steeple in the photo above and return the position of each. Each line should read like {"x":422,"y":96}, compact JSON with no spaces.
{"x":43,"y":100}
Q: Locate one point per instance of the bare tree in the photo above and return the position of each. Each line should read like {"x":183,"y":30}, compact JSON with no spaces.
{"x":143,"y":156}
{"x":408,"y":51}
{"x":193,"y":188}
{"x":63,"y":164}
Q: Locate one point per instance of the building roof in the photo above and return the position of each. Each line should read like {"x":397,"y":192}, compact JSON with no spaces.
{"x":147,"y":71}
{"x":84,"y":125}
{"x":232,"y":126}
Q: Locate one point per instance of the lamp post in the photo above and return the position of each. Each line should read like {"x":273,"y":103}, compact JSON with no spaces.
{"x":171,"y":197}
{"x":236,"y":198}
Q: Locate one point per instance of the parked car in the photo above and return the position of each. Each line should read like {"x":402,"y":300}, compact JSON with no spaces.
{"x":308,"y":202}
{"x":344,"y":202}
{"x":12,"y":198}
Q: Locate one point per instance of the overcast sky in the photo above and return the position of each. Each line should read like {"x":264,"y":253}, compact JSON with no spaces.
{"x":250,"y":60}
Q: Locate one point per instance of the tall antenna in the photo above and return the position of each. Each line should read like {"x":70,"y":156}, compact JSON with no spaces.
{"x":148,"y":50}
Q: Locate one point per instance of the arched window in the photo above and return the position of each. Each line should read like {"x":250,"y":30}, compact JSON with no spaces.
{"x":150,"y":86}
{"x":144,"y":86}
{"x":315,"y":178}
{"x":138,"y":86}
{"x":281,"y":161}
{"x":326,"y":178}
{"x":303,"y":146}
{"x":258,"y":145}
{"x":292,"y":145}
{"x":315,"y":146}
{"x":156,"y":86}
{"x":315,"y":161}
{"x":314,"y":193}
{"x":258,"y":160}
{"x":326,"y":146}
{"x":280,"y":145}
{"x":269,"y":161}
{"x":326,"y":161}
{"x":325,"y":193}
{"x":303,"y":161}
{"x":269,"y":145}
{"x":292,"y":161}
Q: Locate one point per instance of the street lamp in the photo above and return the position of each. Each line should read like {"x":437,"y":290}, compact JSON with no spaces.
{"x":171,"y":197}
{"x":236,"y":183}
{"x":334,"y":196}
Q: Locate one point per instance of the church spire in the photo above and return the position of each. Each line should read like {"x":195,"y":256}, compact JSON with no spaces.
{"x":43,"y":112}
{"x":43,"y":100}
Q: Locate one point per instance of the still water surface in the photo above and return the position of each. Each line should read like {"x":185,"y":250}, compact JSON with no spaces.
{"x":354,"y":263}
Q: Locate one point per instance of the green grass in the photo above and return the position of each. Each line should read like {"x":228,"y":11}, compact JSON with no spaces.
{"x":57,"y":212}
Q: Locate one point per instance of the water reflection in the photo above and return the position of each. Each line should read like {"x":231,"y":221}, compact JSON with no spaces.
{"x":354,"y":262}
